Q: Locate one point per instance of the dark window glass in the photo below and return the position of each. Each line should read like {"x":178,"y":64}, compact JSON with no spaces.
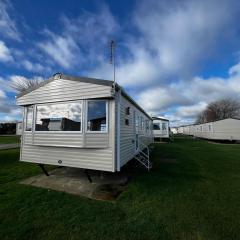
{"x":127,"y":111}
{"x":29,"y":118}
{"x":97,"y":116}
{"x":127,"y":122}
{"x":156,"y":126}
{"x":59,"y":117}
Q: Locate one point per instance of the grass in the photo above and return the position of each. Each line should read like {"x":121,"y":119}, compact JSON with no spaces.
{"x":193,"y":194}
{"x":9,"y":139}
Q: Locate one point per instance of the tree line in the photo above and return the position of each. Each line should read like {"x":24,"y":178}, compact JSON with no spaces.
{"x":218,"y":110}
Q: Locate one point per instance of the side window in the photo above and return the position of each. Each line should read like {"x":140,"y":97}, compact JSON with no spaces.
{"x":29,"y":118}
{"x":156,"y":126}
{"x":136,"y":123}
{"x":127,"y":110}
{"x":97,"y":116}
{"x":147,"y":126}
{"x":127,"y":114}
{"x":142,"y":123}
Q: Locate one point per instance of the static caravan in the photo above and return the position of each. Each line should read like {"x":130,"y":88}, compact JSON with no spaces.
{"x":174,"y":130}
{"x":19,"y":128}
{"x":160,"y":128}
{"x":83,"y":123}
{"x":226,"y":129}
{"x":180,"y":130}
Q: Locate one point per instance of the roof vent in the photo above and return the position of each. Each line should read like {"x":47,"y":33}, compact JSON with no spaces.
{"x":57,"y":75}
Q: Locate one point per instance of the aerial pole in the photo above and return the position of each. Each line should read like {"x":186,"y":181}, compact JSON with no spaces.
{"x":112,"y":58}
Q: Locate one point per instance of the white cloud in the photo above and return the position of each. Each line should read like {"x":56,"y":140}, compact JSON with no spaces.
{"x":62,"y":49}
{"x":7,"y":24}
{"x":5,"y":54}
{"x":81,"y":41}
{"x":35,"y":67}
{"x":2,"y":94}
{"x":182,"y":33}
{"x":174,"y":40}
{"x":190,"y":111}
{"x":234,"y":70}
{"x":184,"y":100}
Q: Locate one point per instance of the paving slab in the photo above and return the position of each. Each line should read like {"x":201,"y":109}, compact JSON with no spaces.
{"x":104,"y":186}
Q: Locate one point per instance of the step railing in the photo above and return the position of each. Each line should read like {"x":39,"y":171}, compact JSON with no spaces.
{"x":143,"y":155}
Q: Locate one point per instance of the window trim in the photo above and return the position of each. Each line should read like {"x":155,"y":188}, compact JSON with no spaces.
{"x":86,"y":115}
{"x":25,"y":118}
{"x":58,"y":132}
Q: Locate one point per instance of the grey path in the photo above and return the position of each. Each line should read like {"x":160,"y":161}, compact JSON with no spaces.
{"x":9,"y":146}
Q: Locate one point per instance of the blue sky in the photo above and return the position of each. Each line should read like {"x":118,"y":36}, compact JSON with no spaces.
{"x":173,"y":57}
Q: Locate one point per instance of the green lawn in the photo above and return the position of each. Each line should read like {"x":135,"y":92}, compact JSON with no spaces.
{"x":192,"y":192}
{"x":9,"y":139}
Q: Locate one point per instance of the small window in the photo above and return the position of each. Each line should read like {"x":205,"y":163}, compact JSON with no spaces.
{"x":156,"y":126}
{"x":142,"y":123}
{"x":127,"y":122}
{"x":127,"y":111}
{"x":137,"y":123}
{"x":147,"y":126}
{"x":97,"y":116}
{"x":29,"y":118}
{"x":209,"y":128}
{"x":59,"y":117}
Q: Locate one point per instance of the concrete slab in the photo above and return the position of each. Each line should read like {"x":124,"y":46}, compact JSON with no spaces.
{"x":104,"y":186}
{"x":9,"y":146}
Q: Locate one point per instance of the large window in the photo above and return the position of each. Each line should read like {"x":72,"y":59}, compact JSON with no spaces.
{"x":29,"y":118}
{"x":164,"y":126}
{"x":59,"y":117}
{"x":97,"y":116}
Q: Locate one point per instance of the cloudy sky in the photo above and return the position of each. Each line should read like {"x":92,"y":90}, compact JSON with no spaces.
{"x":173,"y":57}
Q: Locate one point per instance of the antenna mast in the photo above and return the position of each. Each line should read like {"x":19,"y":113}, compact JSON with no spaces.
{"x":112,"y":58}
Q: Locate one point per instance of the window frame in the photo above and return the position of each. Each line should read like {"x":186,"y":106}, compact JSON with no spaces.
{"x":107,"y":115}
{"x":52,"y":103}
{"x":25,"y":118}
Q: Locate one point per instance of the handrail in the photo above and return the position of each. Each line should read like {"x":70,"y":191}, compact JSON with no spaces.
{"x":146,"y":155}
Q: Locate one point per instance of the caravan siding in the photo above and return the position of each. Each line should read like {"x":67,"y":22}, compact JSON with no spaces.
{"x":227,"y":129}
{"x":99,"y":159}
{"x":64,"y":90}
{"x":128,"y":132}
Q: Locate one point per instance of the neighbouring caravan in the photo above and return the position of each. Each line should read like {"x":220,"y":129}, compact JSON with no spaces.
{"x":19,"y":128}
{"x":174,"y":130}
{"x":180,"y":130}
{"x":226,"y":129}
{"x":84,"y":123}
{"x":160,"y":128}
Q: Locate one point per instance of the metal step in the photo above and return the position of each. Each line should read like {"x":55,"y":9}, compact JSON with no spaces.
{"x":143,"y":160}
